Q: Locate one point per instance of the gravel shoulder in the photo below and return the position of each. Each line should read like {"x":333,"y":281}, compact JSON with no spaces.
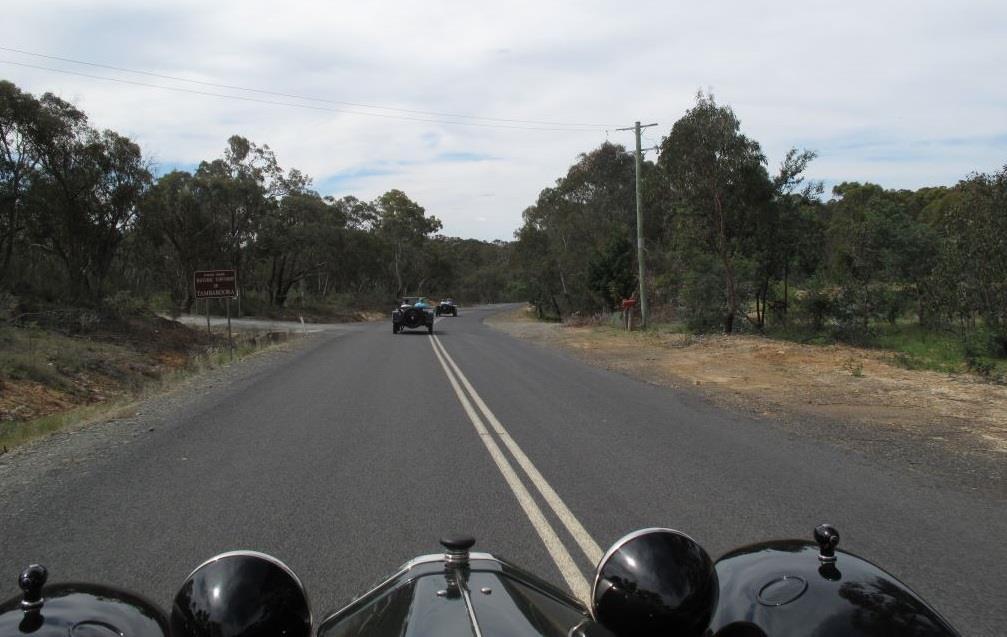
{"x":48,"y":458}
{"x":952,"y":428}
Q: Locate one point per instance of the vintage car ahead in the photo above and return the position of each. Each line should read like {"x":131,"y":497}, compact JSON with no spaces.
{"x":446,"y":306}
{"x":414,"y":313}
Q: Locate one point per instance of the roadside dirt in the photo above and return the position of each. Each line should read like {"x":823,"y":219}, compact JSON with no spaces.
{"x":876,"y":403}
{"x":47,"y":371}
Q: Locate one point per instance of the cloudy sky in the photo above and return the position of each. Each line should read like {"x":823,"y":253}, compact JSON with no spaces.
{"x":904,"y":94}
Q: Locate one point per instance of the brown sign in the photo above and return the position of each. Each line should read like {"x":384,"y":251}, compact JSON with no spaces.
{"x":215,"y":284}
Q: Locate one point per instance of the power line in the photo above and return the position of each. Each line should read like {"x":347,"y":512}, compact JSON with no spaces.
{"x":572,"y":125}
{"x":293,"y":105}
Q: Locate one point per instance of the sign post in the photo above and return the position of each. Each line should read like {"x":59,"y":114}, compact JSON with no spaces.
{"x":627,"y":313}
{"x":217,"y":284}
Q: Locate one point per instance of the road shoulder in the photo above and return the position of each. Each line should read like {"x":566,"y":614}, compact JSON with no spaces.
{"x":47,"y":458}
{"x":947,"y":428}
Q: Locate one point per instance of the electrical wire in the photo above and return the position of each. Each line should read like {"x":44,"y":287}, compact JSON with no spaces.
{"x":435,"y":114}
{"x":304,"y":106}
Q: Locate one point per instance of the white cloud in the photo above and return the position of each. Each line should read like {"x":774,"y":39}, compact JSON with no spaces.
{"x":902,"y":93}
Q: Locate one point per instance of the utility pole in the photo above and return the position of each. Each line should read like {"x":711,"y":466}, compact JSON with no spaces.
{"x":639,"y":220}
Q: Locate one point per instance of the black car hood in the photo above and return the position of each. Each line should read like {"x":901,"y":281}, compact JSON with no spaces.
{"x":488,"y":597}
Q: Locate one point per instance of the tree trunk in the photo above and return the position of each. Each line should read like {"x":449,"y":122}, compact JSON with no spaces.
{"x":398,"y":274}
{"x":786,"y":290}
{"x":555,"y":305}
{"x":732,"y":296}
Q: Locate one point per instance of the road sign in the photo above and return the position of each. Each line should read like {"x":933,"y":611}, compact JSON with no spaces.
{"x":215,"y":284}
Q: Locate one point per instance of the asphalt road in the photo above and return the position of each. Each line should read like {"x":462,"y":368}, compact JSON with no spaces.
{"x":355,"y":452}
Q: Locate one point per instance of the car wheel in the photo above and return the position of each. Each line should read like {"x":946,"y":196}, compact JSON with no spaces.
{"x":395,"y":328}
{"x":431,"y":329}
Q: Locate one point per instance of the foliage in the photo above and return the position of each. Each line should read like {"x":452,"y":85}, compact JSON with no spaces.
{"x":730,"y":246}
{"x":719,"y":177}
{"x":83,"y":220}
{"x":568,"y":234}
{"x":611,"y":274}
{"x":971,"y":270}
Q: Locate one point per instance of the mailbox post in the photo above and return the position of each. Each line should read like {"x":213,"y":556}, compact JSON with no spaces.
{"x":627,"y":313}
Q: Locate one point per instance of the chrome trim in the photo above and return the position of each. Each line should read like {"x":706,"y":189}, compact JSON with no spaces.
{"x":468,"y":605}
{"x":439,"y":557}
{"x":618,"y":545}
{"x":403,"y":570}
{"x":272,"y":560}
{"x":456,"y":559}
{"x":27,"y":606}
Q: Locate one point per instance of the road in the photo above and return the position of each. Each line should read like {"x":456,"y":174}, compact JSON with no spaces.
{"x":350,"y":454}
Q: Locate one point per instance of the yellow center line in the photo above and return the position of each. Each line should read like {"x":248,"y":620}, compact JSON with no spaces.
{"x":557,"y":551}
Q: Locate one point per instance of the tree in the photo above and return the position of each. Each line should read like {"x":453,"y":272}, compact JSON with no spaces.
{"x":972,"y":262}
{"x":238,"y":189}
{"x":720,"y":177}
{"x":873,"y":248}
{"x":86,"y":197}
{"x":611,"y":273}
{"x":175,"y":221}
{"x":18,"y":162}
{"x":293,"y":237}
{"x":573,"y":222}
{"x":538,"y":270}
{"x":785,"y":232}
{"x":404,"y":225}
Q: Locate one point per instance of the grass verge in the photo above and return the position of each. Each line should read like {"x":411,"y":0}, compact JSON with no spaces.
{"x":912,"y":347}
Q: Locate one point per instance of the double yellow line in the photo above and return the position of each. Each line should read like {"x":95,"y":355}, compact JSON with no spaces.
{"x":467,"y":395}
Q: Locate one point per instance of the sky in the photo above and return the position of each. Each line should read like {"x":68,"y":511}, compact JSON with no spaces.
{"x":903,"y":94}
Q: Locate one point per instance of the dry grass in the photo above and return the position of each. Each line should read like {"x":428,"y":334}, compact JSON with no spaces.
{"x":50,"y":381}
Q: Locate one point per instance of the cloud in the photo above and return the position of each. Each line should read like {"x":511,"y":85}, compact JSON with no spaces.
{"x":902,"y":94}
{"x":463,"y":156}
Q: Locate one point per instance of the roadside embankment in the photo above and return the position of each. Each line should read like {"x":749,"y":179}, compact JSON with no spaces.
{"x":63,"y":368}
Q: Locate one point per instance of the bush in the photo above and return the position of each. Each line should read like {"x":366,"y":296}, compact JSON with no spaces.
{"x":702,"y":297}
{"x":126,"y":304}
{"x":9,"y":306}
{"x":815,"y":305}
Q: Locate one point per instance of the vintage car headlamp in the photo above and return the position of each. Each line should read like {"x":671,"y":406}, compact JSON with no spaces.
{"x":241,"y":594}
{"x":655,"y":582}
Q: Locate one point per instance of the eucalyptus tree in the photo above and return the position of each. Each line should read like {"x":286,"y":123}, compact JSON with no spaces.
{"x":86,"y":194}
{"x":178,"y":226}
{"x":719,"y":178}
{"x":404,"y":226}
{"x":18,"y":161}
{"x":972,"y":261}
{"x":573,"y":224}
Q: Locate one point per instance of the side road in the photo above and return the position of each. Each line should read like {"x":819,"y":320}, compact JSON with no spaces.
{"x":218,"y":323}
